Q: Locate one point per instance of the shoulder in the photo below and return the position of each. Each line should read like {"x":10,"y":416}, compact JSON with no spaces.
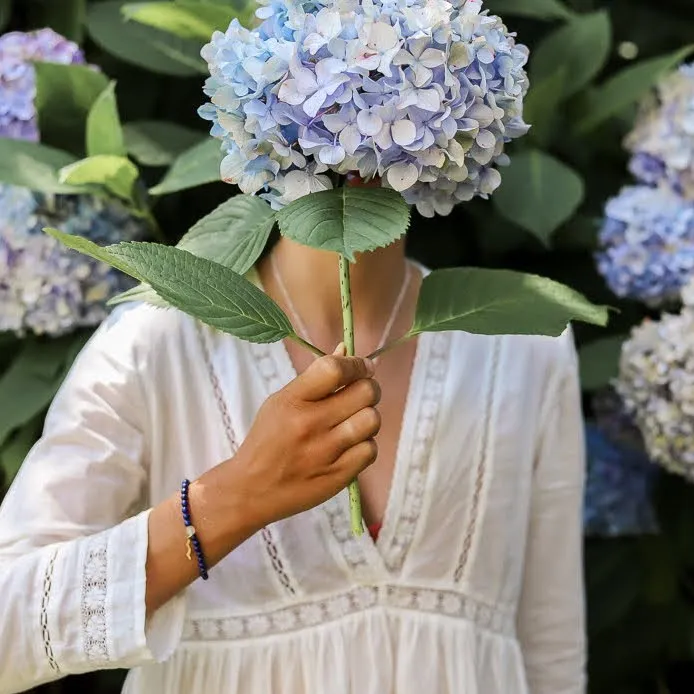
{"x":137,"y":335}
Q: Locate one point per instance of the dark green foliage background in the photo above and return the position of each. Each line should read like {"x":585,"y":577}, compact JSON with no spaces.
{"x":640,"y":592}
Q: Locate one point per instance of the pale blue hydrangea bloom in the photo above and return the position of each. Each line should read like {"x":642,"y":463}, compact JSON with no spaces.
{"x":662,"y":141}
{"x":18,"y":77}
{"x":423,"y":95}
{"x":46,"y":288}
{"x":620,"y":476}
{"x":647,"y":244}
{"x":656,"y":383}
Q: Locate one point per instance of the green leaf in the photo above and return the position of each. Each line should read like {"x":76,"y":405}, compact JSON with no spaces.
{"x":64,"y":96}
{"x":140,"y":45}
{"x":599,"y":361}
{"x":201,"y":288}
{"x":195,"y":167}
{"x":104,"y":131}
{"x":233,"y":235}
{"x":15,"y":451}
{"x":535,"y":9}
{"x":158,"y":143}
{"x":499,"y":302}
{"x":189,"y":20}
{"x":115,"y":174}
{"x":627,"y":87}
{"x":539,"y":193}
{"x":346,"y":220}
{"x":142,"y":292}
{"x":28,"y":386}
{"x":582,"y":46}
{"x":541,"y":107}
{"x":34,"y":166}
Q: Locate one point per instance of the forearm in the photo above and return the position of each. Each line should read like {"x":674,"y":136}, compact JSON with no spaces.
{"x":223,"y":519}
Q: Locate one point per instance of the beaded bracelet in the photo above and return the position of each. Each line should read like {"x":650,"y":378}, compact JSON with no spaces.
{"x":192,"y":542}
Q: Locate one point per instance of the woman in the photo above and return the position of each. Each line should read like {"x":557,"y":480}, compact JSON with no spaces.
{"x":468,"y":583}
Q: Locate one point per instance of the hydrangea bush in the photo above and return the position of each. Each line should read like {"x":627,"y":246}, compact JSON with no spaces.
{"x":662,"y":142}
{"x":421,"y":95}
{"x":647,"y":244}
{"x":44,"y":287}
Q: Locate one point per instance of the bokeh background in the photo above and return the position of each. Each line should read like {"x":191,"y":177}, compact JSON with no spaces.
{"x":592,"y":62}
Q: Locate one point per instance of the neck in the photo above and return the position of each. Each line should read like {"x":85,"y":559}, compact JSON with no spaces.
{"x":311,"y":278}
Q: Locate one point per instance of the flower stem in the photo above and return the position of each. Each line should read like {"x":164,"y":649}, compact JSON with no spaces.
{"x":390,"y":345}
{"x":348,"y":336}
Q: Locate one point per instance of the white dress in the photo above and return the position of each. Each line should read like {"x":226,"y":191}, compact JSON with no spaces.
{"x":473,"y":587}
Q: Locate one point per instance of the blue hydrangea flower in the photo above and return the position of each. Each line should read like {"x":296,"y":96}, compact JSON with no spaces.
{"x":647,"y":244}
{"x":662,"y":141}
{"x":656,"y":384}
{"x":44,"y":287}
{"x":421,"y":94}
{"x":619,"y":484}
{"x":18,"y":50}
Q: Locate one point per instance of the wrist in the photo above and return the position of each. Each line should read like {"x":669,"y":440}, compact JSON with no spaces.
{"x":226,"y":514}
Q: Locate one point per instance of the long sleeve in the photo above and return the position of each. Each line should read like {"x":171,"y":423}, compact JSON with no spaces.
{"x":551,"y":619}
{"x":73,"y":529}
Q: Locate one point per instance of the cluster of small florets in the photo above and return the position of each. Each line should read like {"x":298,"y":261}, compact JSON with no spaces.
{"x":46,"y":289}
{"x":656,"y":383}
{"x":421,"y":95}
{"x":662,"y":142}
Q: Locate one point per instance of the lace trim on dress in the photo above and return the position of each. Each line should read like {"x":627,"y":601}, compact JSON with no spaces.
{"x":482,"y":466}
{"x":93,"y":605}
{"x":272,"y":547}
{"x":45,"y":599}
{"x":360,"y":599}
{"x":426,"y":423}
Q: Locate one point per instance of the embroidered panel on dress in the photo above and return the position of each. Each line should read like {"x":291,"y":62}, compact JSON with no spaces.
{"x":45,"y":599}
{"x":417,"y":472}
{"x":93,"y":603}
{"x":398,"y":597}
{"x":273,"y":549}
{"x":482,"y":465}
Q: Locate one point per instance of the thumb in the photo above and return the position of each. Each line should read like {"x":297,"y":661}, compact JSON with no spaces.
{"x":340,"y":350}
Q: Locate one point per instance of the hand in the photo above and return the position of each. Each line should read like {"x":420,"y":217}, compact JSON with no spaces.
{"x":310,"y":439}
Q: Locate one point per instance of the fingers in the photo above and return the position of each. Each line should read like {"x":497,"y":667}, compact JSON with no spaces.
{"x":342,"y":405}
{"x":355,"y":460}
{"x":328,"y":374}
{"x":361,"y":426}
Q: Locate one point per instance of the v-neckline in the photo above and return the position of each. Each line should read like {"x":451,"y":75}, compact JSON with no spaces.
{"x":387,"y":553}
{"x":400,"y":464}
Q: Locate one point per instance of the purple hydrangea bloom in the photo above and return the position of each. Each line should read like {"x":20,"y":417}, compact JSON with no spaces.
{"x":423,"y":95}
{"x":647,"y":244}
{"x":18,"y":78}
{"x":44,"y":287}
{"x":662,"y":141}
